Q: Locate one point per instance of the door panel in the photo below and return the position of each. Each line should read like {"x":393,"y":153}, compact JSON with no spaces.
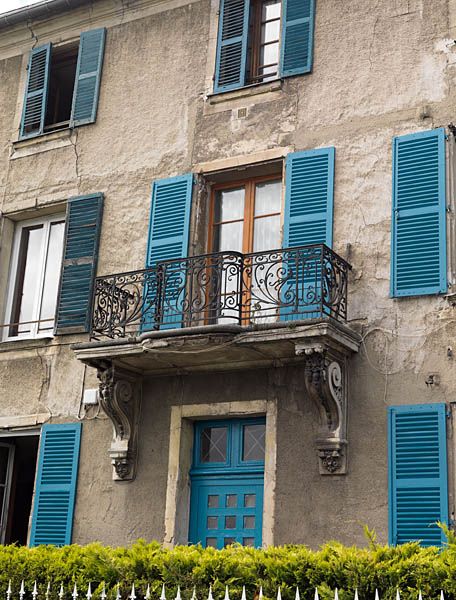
{"x":6,"y":473}
{"x":225,"y":511}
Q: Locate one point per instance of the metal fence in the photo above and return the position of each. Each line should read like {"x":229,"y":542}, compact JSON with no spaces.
{"x":48,"y":592}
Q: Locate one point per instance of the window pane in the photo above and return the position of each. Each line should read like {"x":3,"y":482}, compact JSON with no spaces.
{"x":231,"y":501}
{"x":229,"y":237}
{"x":211,"y":542}
{"x":270,"y":10}
{"x":214,"y":444}
{"x":4,"y":454}
{"x":52,"y":275}
{"x":266,"y":234}
{"x":270,"y":31}
{"x":213,"y":501}
{"x":268,"y":198}
{"x":229,"y":205}
{"x":253,"y":442}
{"x":250,"y":500}
{"x":2,"y":496}
{"x":230,"y":522}
{"x":28,"y":274}
{"x":270,"y":54}
{"x":249,"y":522}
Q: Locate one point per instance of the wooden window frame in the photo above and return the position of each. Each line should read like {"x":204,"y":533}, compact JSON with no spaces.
{"x":255,"y":42}
{"x":249,"y":217}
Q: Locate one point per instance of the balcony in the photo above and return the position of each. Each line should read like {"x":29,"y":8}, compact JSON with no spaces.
{"x":308,"y":282}
{"x":224,"y":311}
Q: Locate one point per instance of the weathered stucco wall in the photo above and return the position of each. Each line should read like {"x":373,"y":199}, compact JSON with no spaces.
{"x":380,"y":69}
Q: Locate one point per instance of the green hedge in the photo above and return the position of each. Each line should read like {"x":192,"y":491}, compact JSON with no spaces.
{"x":408,"y":567}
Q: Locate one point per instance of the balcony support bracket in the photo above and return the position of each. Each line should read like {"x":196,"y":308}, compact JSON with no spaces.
{"x":120,"y":398}
{"x":325,"y":377}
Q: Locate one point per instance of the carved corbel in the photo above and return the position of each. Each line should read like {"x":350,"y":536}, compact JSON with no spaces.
{"x":120,"y":398}
{"x":325,"y":381}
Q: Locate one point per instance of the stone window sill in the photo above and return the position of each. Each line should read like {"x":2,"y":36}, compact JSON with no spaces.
{"x":256,"y":93}
{"x":25,"y":343}
{"x":41,"y":143}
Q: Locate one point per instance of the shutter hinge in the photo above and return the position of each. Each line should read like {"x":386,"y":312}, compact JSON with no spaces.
{"x":449,"y":209}
{"x":448,"y":413}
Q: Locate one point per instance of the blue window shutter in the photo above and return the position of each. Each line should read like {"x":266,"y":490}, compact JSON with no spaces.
{"x":88,"y":75}
{"x":36,"y":91}
{"x":80,"y":256}
{"x":418,"y":253}
{"x":309,"y":197}
{"x":296,"y":50}
{"x":169,"y":230}
{"x":232,"y":45}
{"x":53,"y":507}
{"x":418,"y":474}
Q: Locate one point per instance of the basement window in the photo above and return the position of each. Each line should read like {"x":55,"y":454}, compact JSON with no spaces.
{"x":61,"y":86}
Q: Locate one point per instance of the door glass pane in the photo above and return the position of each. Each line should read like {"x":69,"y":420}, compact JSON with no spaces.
{"x":266,"y":235}
{"x":268,"y":198}
{"x":249,"y":500}
{"x":2,"y":496}
{"x":253,"y":442}
{"x":213,"y":501}
{"x":27,"y":279}
{"x":228,"y":541}
{"x":211,"y":542}
{"x":249,"y":522}
{"x":214,"y":445}
{"x":4,"y":455}
{"x":212,"y":522}
{"x":230,"y":522}
{"x":229,"y":205}
{"x":231,"y":501}
{"x":248,"y":541}
{"x":52,"y":275}
{"x":229,"y":237}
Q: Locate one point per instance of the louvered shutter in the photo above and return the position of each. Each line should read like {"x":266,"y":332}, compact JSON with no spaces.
{"x":52,"y":518}
{"x":36,"y":92}
{"x":296,"y":50}
{"x":88,"y":75}
{"x":419,"y":226}
{"x":82,"y":235}
{"x":418,"y":477}
{"x":232,"y":45}
{"x":308,"y":220}
{"x":168,"y":239}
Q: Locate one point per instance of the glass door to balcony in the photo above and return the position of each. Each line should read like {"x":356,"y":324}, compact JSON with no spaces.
{"x":246,"y":218}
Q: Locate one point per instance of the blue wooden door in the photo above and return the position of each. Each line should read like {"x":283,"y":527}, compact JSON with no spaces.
{"x":227,"y":478}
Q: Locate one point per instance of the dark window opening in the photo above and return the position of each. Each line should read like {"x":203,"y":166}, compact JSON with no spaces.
{"x":264,"y":40}
{"x":61,"y":85}
{"x":18,"y":456}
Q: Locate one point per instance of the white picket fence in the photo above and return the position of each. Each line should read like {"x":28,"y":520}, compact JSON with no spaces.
{"x":133,"y":595}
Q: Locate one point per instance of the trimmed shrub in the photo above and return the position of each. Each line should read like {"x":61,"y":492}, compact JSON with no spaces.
{"x":409,"y":568}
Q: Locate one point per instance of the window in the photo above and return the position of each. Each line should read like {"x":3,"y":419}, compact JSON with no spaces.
{"x":261,"y":40}
{"x":246,"y":217}
{"x":63,"y":84}
{"x":227,"y":480}
{"x":34,"y":277}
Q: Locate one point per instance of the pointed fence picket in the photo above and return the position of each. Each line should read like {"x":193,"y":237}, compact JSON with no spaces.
{"x":62,"y":594}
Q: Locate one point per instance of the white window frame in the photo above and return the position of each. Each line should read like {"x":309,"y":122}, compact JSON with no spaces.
{"x":34,"y":332}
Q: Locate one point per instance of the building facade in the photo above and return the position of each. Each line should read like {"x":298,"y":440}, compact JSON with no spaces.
{"x":227,"y":271}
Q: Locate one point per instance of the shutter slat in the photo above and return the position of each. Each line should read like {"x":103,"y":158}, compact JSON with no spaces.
{"x":168,"y":236}
{"x":36,"y":92}
{"x":418,"y":257}
{"x":296,"y":52}
{"x":80,"y":262}
{"x":418,"y":487}
{"x":52,"y":518}
{"x":88,"y":75}
{"x":232,"y":45}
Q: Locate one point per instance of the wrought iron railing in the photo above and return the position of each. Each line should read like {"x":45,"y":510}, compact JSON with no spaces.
{"x":226,"y":287}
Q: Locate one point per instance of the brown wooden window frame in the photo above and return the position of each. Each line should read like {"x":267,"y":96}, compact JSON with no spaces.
{"x":249,"y":210}
{"x":256,"y":76}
